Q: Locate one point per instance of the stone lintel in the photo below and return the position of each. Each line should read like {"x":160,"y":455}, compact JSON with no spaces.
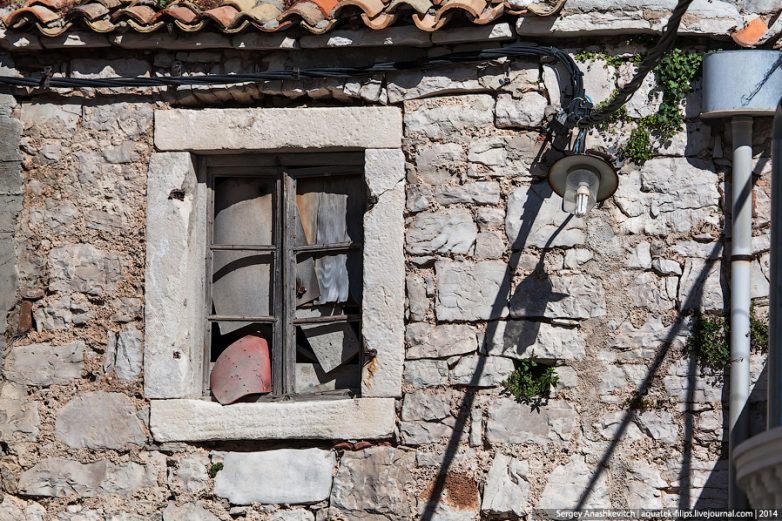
{"x":322,"y":128}
{"x":200,"y":420}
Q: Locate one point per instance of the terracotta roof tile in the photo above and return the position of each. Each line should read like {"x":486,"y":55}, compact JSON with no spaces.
{"x":55,"y":17}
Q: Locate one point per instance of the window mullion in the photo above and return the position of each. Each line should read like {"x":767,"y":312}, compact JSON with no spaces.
{"x":288,"y":260}
{"x":277,"y":300}
{"x":207,"y":360}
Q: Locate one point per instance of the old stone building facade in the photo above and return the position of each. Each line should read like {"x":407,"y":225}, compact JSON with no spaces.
{"x":469,"y":265}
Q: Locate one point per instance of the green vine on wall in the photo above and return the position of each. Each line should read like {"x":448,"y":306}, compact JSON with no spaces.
{"x":531,"y":381}
{"x":675,"y":75}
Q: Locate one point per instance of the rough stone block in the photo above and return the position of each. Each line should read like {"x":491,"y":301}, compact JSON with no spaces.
{"x":124,"y":353}
{"x":471,"y":291}
{"x":265,"y":129}
{"x":481,"y":371}
{"x":436,"y":162}
{"x":566,"y":484}
{"x":425,"y":405}
{"x":481,"y":192}
{"x":19,"y":420}
{"x":525,"y":338}
{"x":506,"y":489}
{"x":414,"y":84}
{"x":448,"y":117}
{"x":57,"y":477}
{"x":374,"y":480}
{"x":535,"y":218}
{"x":489,"y":245}
{"x":527,"y":112}
{"x":131,"y":120}
{"x":668,"y":195}
{"x":189,"y":476}
{"x":417,"y":302}
{"x":444,"y":231}
{"x":100,"y":420}
{"x":188,"y":512}
{"x":289,"y":476}
{"x":700,"y":287}
{"x":12,"y":509}
{"x":514,"y":422}
{"x":50,"y":119}
{"x":442,"y":341}
{"x":647,"y":290}
{"x":84,"y":268}
{"x":45,"y":364}
{"x":559,"y":296}
{"x":423,"y":432}
{"x":426,"y":373}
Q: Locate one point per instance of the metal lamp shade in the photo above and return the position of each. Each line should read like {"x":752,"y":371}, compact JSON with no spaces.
{"x":609,"y":180}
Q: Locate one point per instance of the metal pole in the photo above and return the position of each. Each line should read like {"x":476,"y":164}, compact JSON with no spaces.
{"x":740,"y":295}
{"x":774,"y":361}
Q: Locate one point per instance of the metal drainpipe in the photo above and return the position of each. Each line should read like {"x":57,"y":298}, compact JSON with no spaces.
{"x":774,"y":360}
{"x":740,"y":294}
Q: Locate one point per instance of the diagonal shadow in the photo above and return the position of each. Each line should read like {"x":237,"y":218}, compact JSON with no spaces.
{"x":693,"y":300}
{"x":530,"y":211}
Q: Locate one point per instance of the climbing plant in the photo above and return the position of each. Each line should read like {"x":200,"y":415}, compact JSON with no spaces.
{"x":674,"y":75}
{"x":531,"y":381}
{"x":709,"y":339}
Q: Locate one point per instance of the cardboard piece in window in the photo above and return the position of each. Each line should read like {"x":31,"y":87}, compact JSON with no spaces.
{"x":243,"y":211}
{"x":241,"y":280}
{"x":330,"y":211}
{"x":242,"y":369}
{"x":310,"y":378}
{"x":333,"y":344}
{"x":240,"y":286}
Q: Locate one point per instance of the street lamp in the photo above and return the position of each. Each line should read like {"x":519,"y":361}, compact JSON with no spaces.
{"x":582,"y":180}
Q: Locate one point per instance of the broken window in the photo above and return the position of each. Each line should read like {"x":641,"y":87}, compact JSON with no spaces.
{"x":285,"y":258}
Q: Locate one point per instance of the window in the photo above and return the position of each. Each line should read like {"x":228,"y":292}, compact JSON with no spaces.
{"x":284,"y":255}
{"x":176,"y":282}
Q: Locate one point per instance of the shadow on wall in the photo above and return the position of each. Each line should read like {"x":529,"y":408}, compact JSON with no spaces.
{"x":713,"y":487}
{"x":529,"y":213}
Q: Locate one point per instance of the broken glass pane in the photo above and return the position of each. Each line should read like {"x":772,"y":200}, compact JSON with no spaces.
{"x":241,"y":285}
{"x":333,"y":344}
{"x":311,"y":378}
{"x":243,"y":211}
{"x":307,"y":203}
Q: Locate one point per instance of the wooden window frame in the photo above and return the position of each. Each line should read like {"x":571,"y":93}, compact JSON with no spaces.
{"x":283,"y":252}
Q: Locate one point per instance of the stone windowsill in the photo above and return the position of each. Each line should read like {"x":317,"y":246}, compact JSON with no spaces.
{"x":201,"y":420}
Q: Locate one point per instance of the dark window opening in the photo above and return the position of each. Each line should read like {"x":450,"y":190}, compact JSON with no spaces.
{"x":285,"y":286}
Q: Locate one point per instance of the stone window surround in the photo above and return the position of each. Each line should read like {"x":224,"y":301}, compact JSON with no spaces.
{"x":174,"y":288}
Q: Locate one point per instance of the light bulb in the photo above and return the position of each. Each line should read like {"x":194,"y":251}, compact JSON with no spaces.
{"x":580,"y":191}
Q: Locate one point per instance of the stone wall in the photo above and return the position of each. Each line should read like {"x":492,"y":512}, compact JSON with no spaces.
{"x":495,"y":272}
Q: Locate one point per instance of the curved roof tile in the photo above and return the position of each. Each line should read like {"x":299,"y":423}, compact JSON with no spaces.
{"x":55,"y":17}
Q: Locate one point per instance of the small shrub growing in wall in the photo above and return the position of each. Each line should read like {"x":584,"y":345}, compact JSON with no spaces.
{"x":709,"y":340}
{"x":214,"y":468}
{"x":531,"y":381}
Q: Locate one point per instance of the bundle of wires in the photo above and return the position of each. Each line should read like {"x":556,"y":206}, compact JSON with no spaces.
{"x":577,"y":108}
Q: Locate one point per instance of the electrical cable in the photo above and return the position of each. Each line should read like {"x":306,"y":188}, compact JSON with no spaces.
{"x":509,"y":51}
{"x":577,"y":109}
{"x":650,"y":61}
